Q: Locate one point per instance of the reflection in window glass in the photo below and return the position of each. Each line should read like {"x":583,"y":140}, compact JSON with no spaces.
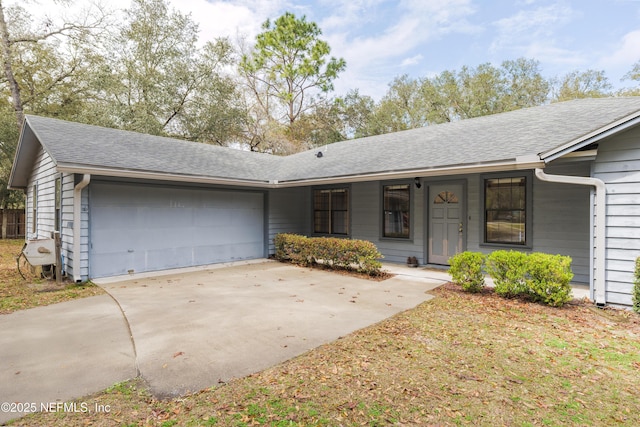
{"x":331,"y":211}
{"x":58,"y":202}
{"x":445,"y":197}
{"x":505,"y":210}
{"x":396,"y":211}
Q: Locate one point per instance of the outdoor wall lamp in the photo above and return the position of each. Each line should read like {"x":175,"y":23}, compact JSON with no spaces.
{"x":416,"y":180}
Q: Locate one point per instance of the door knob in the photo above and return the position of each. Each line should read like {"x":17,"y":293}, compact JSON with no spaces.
{"x":460,"y":228}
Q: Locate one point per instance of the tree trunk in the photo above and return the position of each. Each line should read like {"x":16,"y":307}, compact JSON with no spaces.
{"x":8,"y":68}
{"x":4,"y":223}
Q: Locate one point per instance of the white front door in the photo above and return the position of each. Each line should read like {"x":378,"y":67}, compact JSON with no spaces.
{"x":447,"y":233}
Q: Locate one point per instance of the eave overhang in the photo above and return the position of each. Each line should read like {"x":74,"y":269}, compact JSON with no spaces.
{"x":530,"y":162}
{"x":161,"y":176}
{"x":498,"y":166}
{"x":26,"y":152}
{"x":593,"y":137}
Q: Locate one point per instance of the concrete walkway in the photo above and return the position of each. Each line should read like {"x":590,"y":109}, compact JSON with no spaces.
{"x":191,"y":329}
{"x":61,"y":352}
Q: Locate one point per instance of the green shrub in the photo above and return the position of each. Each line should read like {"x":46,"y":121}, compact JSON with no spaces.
{"x":508,"y":270}
{"x":636,"y":287}
{"x":293,"y":248}
{"x":357,"y":255}
{"x":465,"y":269}
{"x":548,"y":278}
{"x":542,"y":277}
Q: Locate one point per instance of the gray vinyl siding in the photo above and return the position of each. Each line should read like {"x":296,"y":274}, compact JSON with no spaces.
{"x":366,"y":222}
{"x":618,"y":165}
{"x":44,"y":175}
{"x":289,"y":211}
{"x":66,"y":229}
{"x":474,"y":214}
{"x":561,"y":218}
{"x":43,"y":178}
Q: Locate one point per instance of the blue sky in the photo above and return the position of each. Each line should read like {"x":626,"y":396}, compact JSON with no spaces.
{"x":382,"y":39}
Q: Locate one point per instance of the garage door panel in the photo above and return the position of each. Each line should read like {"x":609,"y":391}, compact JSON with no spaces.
{"x":148,"y":228}
{"x":109,"y":261}
{"x":247,"y":234}
{"x":209,"y":217}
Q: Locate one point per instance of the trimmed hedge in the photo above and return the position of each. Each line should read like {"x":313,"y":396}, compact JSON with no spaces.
{"x":357,"y":255}
{"x":548,"y":278}
{"x":508,"y":270}
{"x":466,"y":270}
{"x":636,"y":287}
{"x":541,"y":277}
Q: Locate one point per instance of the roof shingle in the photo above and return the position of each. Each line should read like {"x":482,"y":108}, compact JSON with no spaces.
{"x":483,"y":140}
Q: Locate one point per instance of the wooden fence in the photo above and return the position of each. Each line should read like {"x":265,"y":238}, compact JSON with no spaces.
{"x":15,"y":223}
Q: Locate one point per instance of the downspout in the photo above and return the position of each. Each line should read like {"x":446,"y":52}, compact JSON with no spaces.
{"x":599,"y":286}
{"x":77,"y":225}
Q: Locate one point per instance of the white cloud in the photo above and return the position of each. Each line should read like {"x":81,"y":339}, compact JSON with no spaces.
{"x":380,"y":38}
{"x":530,"y":27}
{"x":625,"y":53}
{"x":619,"y":60}
{"x":341,"y":15}
{"x":229,"y":19}
{"x":558,"y":57}
{"x":217,"y":18}
{"x":411,"y":61}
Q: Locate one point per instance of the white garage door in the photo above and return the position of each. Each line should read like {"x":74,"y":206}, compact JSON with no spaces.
{"x":138,"y":228}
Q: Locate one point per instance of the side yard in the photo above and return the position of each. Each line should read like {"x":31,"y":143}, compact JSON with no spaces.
{"x":17,"y":293}
{"x":459,"y":359}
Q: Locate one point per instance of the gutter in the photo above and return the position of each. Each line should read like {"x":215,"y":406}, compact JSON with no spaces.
{"x":520,"y":163}
{"x":159,"y":176}
{"x":77,"y":225}
{"x":599,"y":240}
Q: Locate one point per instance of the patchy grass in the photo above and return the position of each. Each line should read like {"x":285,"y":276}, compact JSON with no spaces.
{"x":17,"y":293}
{"x":459,"y":359}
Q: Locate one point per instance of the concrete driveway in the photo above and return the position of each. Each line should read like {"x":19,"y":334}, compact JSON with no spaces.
{"x":191,"y":329}
{"x":61,"y":352}
{"x":199,"y":329}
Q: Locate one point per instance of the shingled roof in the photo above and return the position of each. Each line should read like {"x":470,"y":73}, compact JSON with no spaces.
{"x":84,"y":148}
{"x":507,"y":140}
{"x":501,"y":139}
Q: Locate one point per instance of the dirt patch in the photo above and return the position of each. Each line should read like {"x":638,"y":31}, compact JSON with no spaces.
{"x":17,"y":293}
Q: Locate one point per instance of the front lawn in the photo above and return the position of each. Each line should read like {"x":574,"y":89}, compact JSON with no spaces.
{"x":17,"y":293}
{"x":459,"y":359}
